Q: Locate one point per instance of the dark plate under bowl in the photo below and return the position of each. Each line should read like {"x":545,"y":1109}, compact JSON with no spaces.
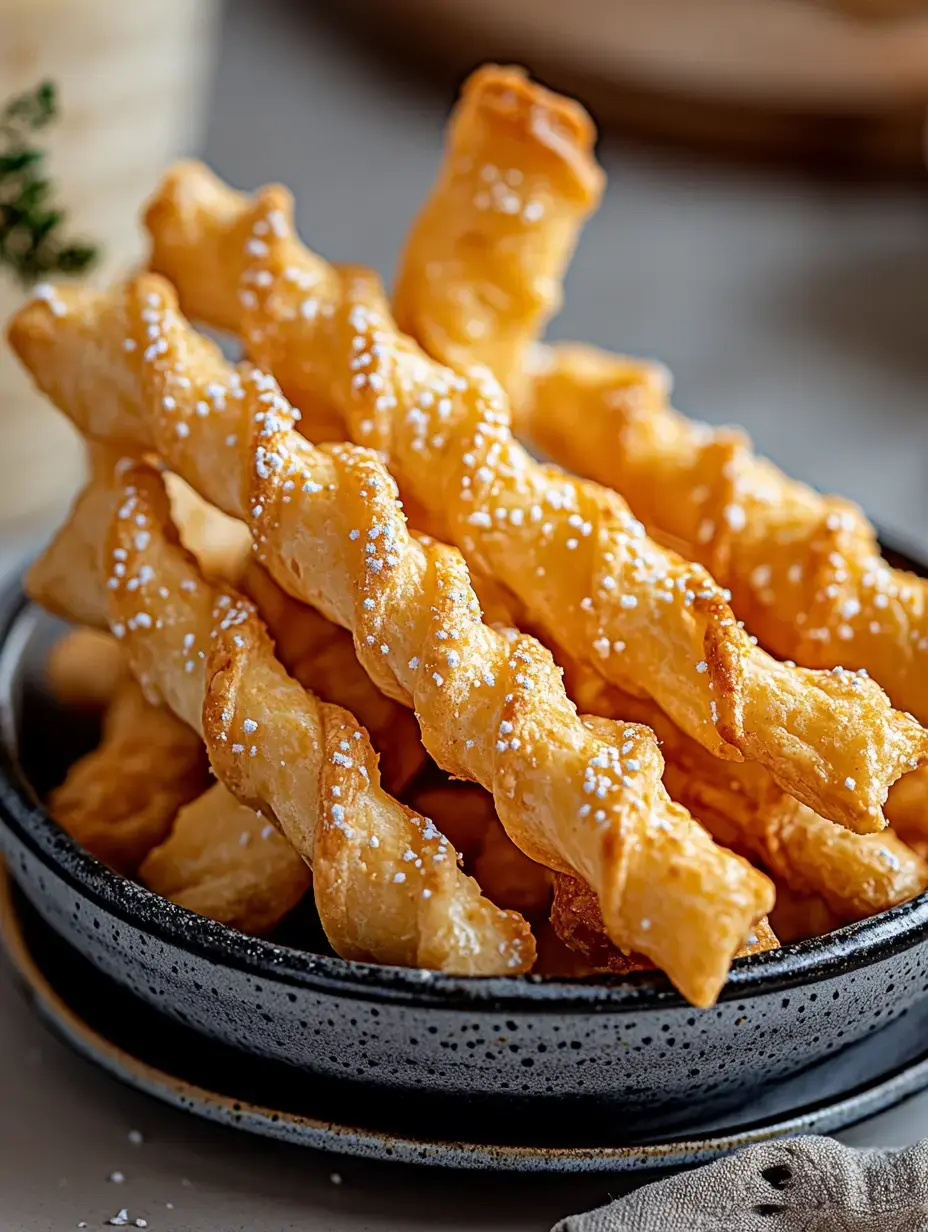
{"x":512,"y":1048}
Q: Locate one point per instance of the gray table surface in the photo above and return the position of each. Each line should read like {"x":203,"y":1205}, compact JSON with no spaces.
{"x":797,"y":307}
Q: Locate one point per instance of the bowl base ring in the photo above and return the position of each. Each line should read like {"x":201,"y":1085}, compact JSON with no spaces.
{"x":31,"y":947}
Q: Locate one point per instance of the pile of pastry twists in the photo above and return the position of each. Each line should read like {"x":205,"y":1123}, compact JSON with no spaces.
{"x":386,"y":882}
{"x":292,"y":554}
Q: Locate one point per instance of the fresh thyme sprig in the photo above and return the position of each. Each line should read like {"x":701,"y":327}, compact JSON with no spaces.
{"x":31,"y":243}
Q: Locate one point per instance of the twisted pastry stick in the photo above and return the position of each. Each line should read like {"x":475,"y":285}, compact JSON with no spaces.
{"x":85,"y":668}
{"x":317,"y":653}
{"x":580,"y":795}
{"x":632,"y":394}
{"x":465,"y":814}
{"x":805,"y":570}
{"x":570,"y":550}
{"x":225,"y":861}
{"x":468,"y":275}
{"x":321,"y":656}
{"x":742,"y":807}
{"x":466,"y":279}
{"x":220,"y":859}
{"x":386,"y":882}
{"x":120,"y":800}
{"x":519,"y":169}
{"x":576,"y":919}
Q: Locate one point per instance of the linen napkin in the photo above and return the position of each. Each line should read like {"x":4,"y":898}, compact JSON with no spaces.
{"x":800,"y":1185}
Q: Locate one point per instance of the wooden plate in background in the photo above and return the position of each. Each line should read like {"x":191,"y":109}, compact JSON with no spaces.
{"x":770,"y":76}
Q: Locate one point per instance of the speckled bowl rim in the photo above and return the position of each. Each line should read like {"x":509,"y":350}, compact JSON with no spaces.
{"x":129,"y":1066}
{"x":845,"y":950}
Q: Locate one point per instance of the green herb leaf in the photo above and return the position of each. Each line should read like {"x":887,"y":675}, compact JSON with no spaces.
{"x":18,"y":162}
{"x":31,"y":243}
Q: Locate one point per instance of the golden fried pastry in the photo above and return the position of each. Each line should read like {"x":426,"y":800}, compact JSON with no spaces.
{"x":466,"y":815}
{"x":85,"y":668}
{"x":580,"y":795}
{"x":577,"y":921}
{"x":805,"y":570}
{"x":516,"y":184}
{"x":509,"y":878}
{"x":463,"y":812}
{"x":120,"y":800}
{"x":321,"y":656}
{"x":317,"y":653}
{"x":907,"y":807}
{"x":582,"y":399}
{"x":472,"y":277}
{"x":555,"y":958}
{"x":386,"y":883}
{"x":744,"y":808}
{"x":797,"y":917}
{"x":577,"y":560}
{"x":222,"y":545}
{"x":557,"y":416}
{"x":225,"y":861}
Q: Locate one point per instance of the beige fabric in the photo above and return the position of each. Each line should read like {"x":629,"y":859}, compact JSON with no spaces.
{"x":806,"y":1185}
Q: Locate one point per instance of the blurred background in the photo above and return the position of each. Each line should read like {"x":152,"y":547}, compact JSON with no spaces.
{"x":764,"y":231}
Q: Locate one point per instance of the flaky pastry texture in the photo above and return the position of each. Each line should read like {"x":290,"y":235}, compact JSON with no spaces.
{"x":85,"y":668}
{"x":316,"y":652}
{"x":741,"y":806}
{"x":805,"y":570}
{"x":120,"y":800}
{"x":386,"y":882}
{"x":576,"y":920}
{"x":798,"y":917}
{"x":579,"y":563}
{"x":582,"y":396}
{"x":466,"y":815}
{"x":516,"y":184}
{"x":321,"y":656}
{"x":225,"y":861}
{"x":578,"y":794}
{"x":222,"y":545}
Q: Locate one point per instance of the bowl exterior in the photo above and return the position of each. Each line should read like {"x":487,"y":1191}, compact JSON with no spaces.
{"x":661,"y":1066}
{"x":512,"y":1047}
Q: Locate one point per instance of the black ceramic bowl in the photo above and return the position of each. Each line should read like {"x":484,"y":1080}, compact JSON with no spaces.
{"x":501,"y":1050}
